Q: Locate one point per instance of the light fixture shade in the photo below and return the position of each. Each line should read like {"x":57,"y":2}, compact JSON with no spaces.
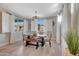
{"x":36,"y":17}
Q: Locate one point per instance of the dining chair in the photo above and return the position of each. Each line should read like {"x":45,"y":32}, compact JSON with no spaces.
{"x":49,"y":37}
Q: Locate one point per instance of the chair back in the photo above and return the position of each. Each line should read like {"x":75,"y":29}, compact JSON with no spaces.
{"x":49,"y":35}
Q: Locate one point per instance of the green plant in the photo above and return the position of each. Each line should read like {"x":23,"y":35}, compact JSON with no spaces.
{"x":72,"y":41}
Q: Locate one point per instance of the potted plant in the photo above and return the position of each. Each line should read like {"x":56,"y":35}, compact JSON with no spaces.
{"x":72,"y":41}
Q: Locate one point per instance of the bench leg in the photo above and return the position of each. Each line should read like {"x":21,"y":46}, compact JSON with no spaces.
{"x":37,"y":45}
{"x":27,"y":43}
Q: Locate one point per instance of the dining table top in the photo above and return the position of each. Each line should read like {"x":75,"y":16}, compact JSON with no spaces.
{"x":39,"y":35}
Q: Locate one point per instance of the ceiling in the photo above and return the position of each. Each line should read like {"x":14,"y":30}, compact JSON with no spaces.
{"x":28,"y":9}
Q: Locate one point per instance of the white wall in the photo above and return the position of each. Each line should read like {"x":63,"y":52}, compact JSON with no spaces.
{"x":29,"y":25}
{"x":12,"y":31}
{"x":5,"y":22}
{"x":25,"y":25}
{"x":49,"y":26}
{"x":65,"y":25}
{"x":77,"y":18}
{"x":58,"y":32}
{"x":33,"y":24}
{"x":5,"y":34}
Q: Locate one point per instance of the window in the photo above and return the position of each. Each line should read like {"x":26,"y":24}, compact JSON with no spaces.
{"x":40,"y":25}
{"x":19,"y":24}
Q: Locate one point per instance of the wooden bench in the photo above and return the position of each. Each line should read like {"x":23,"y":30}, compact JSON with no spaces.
{"x":33,"y":42}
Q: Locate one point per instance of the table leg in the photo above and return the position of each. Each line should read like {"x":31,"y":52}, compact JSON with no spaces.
{"x":43,"y":42}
